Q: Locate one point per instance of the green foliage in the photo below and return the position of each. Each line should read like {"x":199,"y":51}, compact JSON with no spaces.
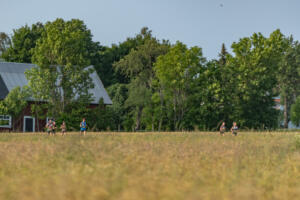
{"x":5,"y":42}
{"x":14,"y":102}
{"x":101,"y":118}
{"x":118,"y":93}
{"x":62,"y":56}
{"x":288,"y":77}
{"x":73,"y":116}
{"x":155,"y":85}
{"x":295,"y":112}
{"x":138,"y":67}
{"x":23,"y":42}
{"x":176,"y":72}
{"x":253,"y":69}
{"x":110,"y":55}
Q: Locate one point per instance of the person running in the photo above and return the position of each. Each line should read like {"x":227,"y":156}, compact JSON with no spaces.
{"x":63,"y":128}
{"x":234,"y":129}
{"x":83,"y":126}
{"x":49,"y":126}
{"x":53,"y":127}
{"x":222,"y":129}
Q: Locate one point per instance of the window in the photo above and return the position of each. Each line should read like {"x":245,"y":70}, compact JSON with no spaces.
{"x":5,"y":121}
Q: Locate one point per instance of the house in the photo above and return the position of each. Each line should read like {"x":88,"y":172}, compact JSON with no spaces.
{"x":12,"y":75}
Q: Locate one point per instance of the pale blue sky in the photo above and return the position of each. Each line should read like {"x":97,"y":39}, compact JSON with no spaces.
{"x":205,"y":23}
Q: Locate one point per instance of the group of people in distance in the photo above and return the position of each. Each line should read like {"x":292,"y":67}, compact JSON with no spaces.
{"x":234,"y":129}
{"x":51,"y":127}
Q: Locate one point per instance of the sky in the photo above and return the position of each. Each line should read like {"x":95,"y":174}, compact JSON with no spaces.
{"x":203,"y":23}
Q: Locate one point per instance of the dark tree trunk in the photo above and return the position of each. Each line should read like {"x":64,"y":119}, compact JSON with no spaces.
{"x":161,"y":110}
{"x":285,"y":113}
{"x":152,"y":123}
{"x":138,"y":118}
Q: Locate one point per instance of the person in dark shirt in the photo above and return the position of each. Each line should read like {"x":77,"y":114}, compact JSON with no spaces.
{"x":53,"y":127}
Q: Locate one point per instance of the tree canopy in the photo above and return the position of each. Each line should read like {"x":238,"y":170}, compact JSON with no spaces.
{"x":157,"y":85}
{"x":62,"y":55}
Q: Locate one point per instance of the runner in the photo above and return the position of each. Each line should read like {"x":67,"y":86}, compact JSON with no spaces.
{"x":83,"y":126}
{"x":49,"y":126}
{"x":222,"y":129}
{"x":53,"y":127}
{"x":234,"y":129}
{"x":63,"y":128}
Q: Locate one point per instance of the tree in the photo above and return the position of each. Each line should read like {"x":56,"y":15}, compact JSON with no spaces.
{"x":222,"y":56}
{"x":62,"y":55}
{"x":118,"y":94}
{"x":107,"y":56}
{"x":288,"y":77}
{"x":23,"y":42}
{"x":175,"y":72}
{"x":223,"y":76}
{"x":138,"y":67}
{"x":254,"y":69}
{"x":295,"y":112}
{"x":5,"y":42}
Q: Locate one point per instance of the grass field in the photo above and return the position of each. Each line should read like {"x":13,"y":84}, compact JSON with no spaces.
{"x":150,"y":166}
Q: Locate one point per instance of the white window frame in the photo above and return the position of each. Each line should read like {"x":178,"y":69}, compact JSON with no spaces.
{"x":24,"y":120}
{"x":10,"y":120}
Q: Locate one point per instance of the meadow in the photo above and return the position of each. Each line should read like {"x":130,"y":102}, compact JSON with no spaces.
{"x":132,"y":166}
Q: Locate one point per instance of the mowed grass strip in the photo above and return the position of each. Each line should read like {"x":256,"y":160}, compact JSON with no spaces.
{"x":193,"y":165}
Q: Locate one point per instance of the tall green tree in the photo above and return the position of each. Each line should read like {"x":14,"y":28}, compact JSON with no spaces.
{"x":62,"y":55}
{"x":175,"y":72}
{"x":110,"y":55}
{"x":289,"y":78}
{"x":118,"y":94}
{"x":5,"y":42}
{"x":295,"y":112}
{"x":23,"y":42}
{"x":222,"y":55}
{"x":138,"y":67}
{"x":254,"y":69}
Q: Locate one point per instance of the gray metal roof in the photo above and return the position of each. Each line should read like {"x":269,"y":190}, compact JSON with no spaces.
{"x":3,"y":89}
{"x":13,"y":75}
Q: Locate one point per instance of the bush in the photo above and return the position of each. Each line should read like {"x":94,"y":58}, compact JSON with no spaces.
{"x":295,"y":112}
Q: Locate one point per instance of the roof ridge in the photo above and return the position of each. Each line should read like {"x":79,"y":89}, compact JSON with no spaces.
{"x":17,"y":63}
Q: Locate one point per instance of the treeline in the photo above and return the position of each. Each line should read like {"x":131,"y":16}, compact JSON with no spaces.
{"x":159,"y":86}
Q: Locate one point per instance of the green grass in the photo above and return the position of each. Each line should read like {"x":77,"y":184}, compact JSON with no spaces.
{"x":150,"y":166}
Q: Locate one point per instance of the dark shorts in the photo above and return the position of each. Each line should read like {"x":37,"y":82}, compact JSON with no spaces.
{"x":82,"y":129}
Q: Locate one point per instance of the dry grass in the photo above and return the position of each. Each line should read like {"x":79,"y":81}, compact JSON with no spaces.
{"x":150,"y":166}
